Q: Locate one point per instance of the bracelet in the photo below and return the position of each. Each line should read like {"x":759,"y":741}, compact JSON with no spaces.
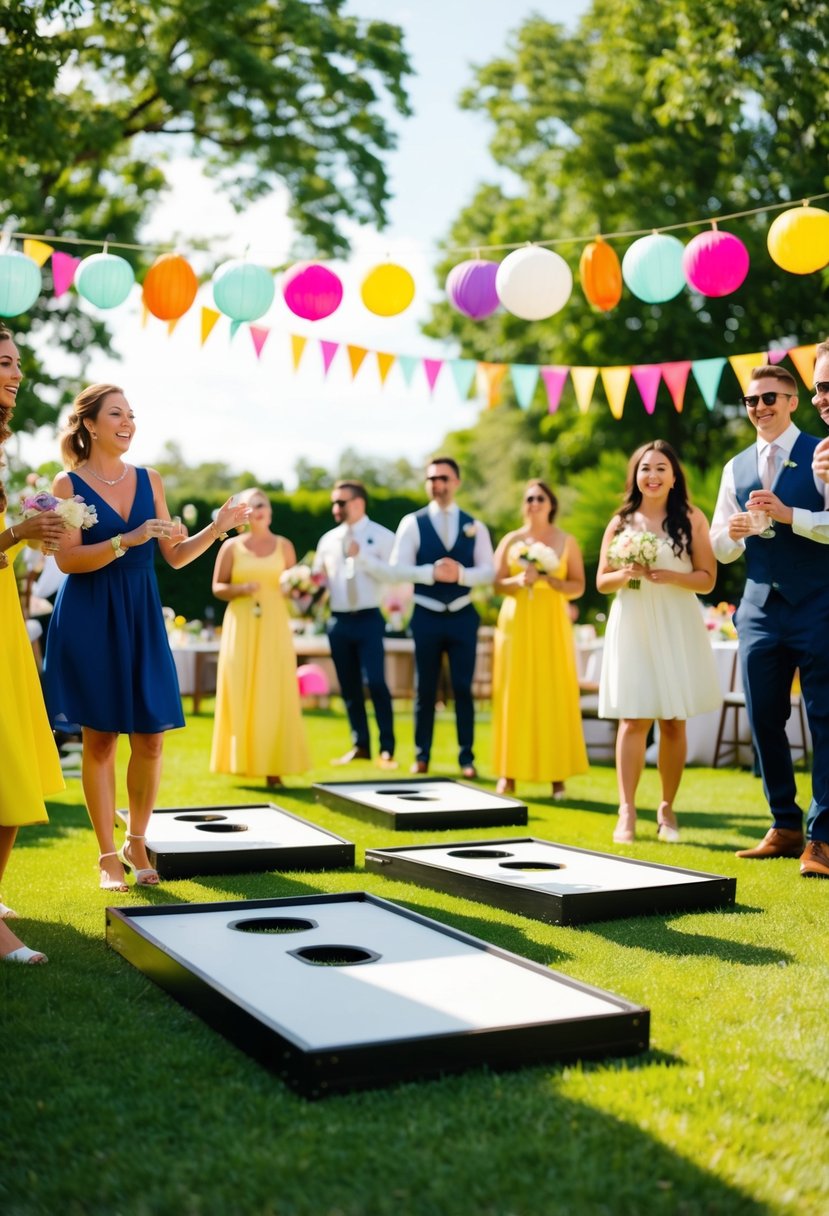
{"x":14,"y":538}
{"x":215,"y":530}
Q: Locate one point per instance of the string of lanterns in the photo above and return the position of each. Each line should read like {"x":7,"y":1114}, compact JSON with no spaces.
{"x":532,"y":282}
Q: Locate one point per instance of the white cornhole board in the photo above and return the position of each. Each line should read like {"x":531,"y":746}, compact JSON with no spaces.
{"x":553,"y":882}
{"x":336,"y":992}
{"x":186,"y":841}
{"x":422,"y":802}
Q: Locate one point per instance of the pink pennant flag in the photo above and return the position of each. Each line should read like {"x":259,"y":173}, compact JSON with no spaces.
{"x":259,"y":336}
{"x":329,"y":350}
{"x":647,"y":376}
{"x":777,"y":356}
{"x":432,"y":368}
{"x":554,"y":378}
{"x":63,"y":271}
{"x":675,"y":376}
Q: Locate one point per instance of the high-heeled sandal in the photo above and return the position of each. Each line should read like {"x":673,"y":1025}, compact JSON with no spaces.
{"x":666,"y":832}
{"x":24,"y":955}
{"x":146,"y":877}
{"x":106,"y":881}
{"x":7,"y":913}
{"x":505,"y":785}
{"x":625,"y":830}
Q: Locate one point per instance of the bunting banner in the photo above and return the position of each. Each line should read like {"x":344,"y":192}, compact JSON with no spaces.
{"x":615,"y":381}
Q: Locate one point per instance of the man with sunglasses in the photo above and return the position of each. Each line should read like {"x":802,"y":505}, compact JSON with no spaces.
{"x":444,"y":552}
{"x":820,"y":401}
{"x":354,"y":556}
{"x":783,"y":617}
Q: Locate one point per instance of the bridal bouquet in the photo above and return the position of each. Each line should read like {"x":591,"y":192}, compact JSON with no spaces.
{"x":542,"y":557}
{"x":306,"y":590}
{"x":74,"y":512}
{"x":629,"y":547}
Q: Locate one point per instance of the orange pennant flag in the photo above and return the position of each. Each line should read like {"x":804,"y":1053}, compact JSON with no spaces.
{"x":742,"y":365}
{"x":616,"y":381}
{"x":38,"y":251}
{"x":584,"y":381}
{"x":803,"y":357}
{"x":356,"y":354}
{"x":209,"y":317}
{"x":297,"y":348}
{"x":490,"y":382}
{"x":384,"y":365}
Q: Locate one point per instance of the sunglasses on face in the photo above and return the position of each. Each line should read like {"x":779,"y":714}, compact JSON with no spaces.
{"x":340,"y":502}
{"x":821,"y":388}
{"x":438,"y":477}
{"x":535,"y":498}
{"x":752,"y":402}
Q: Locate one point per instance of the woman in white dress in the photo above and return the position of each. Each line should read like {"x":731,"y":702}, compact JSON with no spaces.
{"x":657,"y":662}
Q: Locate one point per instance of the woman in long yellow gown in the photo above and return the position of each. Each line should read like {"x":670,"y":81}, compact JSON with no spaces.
{"x":536,"y":717}
{"x":258,"y":729}
{"x":30,"y":767}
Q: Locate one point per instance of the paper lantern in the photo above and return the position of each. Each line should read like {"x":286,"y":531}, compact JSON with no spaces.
{"x":20,"y":283}
{"x":652,"y":268}
{"x":715,"y":263}
{"x":798,"y":240}
{"x":533,"y":283}
{"x":312,"y":291}
{"x":387,"y":290}
{"x":105,"y":279}
{"x":242,"y":290}
{"x":312,"y":680}
{"x":601,"y":275}
{"x":170,"y":287}
{"x":470,"y":287}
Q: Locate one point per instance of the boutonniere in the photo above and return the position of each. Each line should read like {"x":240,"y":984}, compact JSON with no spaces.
{"x":789,"y":464}
{"x":469,"y":529}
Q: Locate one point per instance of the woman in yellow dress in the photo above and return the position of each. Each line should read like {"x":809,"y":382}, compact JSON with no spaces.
{"x":30,"y":767}
{"x":258,"y":729}
{"x":536,"y":717}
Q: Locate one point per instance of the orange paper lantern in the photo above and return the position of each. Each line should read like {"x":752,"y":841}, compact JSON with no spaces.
{"x":170,"y":287}
{"x":601,"y":275}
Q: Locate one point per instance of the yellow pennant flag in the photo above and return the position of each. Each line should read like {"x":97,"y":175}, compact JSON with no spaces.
{"x":803,"y":357}
{"x":297,"y":347}
{"x":38,"y":251}
{"x":356,"y":354}
{"x":171,"y":324}
{"x":616,"y":381}
{"x":385,"y":363}
{"x":584,"y":381}
{"x":742,"y":365}
{"x":490,"y":382}
{"x":209,"y":317}
{"x":145,"y":314}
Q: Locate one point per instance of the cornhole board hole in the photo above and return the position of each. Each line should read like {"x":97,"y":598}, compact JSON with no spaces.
{"x":423,"y":802}
{"x":348,"y":991}
{"x":553,"y":882}
{"x":185,"y":841}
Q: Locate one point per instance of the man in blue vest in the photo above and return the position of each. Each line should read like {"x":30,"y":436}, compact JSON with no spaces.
{"x":773,"y":507}
{"x":444,"y":552}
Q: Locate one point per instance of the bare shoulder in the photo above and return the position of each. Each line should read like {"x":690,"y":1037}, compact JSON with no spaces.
{"x":62,"y":486}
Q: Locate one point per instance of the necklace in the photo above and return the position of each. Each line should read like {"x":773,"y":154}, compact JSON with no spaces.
{"x":106,"y":480}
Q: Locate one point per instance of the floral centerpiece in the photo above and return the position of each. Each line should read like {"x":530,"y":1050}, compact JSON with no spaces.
{"x":631,"y":547}
{"x":305,"y":589}
{"x":541,"y":557}
{"x":74,"y":512}
{"x":719,"y":621}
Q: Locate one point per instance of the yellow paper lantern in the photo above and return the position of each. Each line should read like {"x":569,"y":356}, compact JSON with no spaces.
{"x":387,"y":290}
{"x":798,"y":240}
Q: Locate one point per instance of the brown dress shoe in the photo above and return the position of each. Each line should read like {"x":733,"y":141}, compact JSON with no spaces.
{"x":419,"y":766}
{"x":356,"y":753}
{"x":777,"y":842}
{"x":814,"y":862}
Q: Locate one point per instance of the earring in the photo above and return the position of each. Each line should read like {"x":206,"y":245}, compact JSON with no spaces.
{"x":94,"y":434}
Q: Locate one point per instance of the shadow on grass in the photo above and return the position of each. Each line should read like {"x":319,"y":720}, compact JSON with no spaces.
{"x":654,"y":934}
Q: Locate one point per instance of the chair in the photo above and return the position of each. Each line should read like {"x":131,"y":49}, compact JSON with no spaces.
{"x":599,"y":733}
{"x":734,"y":701}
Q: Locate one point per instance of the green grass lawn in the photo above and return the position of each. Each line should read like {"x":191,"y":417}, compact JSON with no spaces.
{"x":115,"y":1099}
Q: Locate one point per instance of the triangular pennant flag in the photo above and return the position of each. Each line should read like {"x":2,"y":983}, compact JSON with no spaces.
{"x":356,"y":354}
{"x":385,"y":363}
{"x":171,"y":324}
{"x":259,"y":336}
{"x":616,"y":381}
{"x":38,"y":251}
{"x":675,"y":376}
{"x":463,"y":373}
{"x":209,"y":317}
{"x":803,"y":357}
{"x":234,"y":329}
{"x":297,"y":348}
{"x":777,"y":355}
{"x":584,"y":381}
{"x":145,"y":314}
{"x":490,"y":379}
{"x":646,"y":377}
{"x":524,"y":380}
{"x":432,"y":368}
{"x":408,"y":367}
{"x":329,"y":350}
{"x":554,"y":377}
{"x":63,"y":271}
{"x":743,"y":364}
{"x":708,"y":373}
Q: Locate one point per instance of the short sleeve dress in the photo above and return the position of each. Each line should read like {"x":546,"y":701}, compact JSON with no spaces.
{"x":108,"y":661}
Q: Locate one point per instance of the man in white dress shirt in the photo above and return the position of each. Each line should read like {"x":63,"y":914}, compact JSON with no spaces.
{"x":444,"y":552}
{"x":820,"y":401}
{"x":355,"y":556}
{"x":783,"y":616}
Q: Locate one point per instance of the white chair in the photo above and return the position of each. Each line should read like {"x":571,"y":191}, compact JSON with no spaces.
{"x":731,"y":716}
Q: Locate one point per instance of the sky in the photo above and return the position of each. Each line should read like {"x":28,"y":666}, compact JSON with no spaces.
{"x":218,"y":401}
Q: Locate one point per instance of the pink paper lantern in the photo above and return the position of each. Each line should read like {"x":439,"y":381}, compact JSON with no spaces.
{"x":470,"y":287}
{"x":313,"y":681}
{"x":312,"y":291}
{"x":715,"y":263}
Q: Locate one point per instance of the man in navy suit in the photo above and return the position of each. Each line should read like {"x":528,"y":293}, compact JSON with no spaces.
{"x":444,"y":552}
{"x":783,"y":617}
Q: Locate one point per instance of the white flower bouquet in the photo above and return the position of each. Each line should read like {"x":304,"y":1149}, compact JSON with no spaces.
{"x":542,"y":557}
{"x":631,"y":547}
{"x":74,"y":512}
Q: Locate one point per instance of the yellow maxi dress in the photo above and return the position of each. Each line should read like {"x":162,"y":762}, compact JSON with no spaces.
{"x":29,"y":763}
{"x":258,"y":729}
{"x":536,"y":717}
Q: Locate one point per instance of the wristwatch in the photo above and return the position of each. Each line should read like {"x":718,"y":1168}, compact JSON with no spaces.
{"x":116,"y":546}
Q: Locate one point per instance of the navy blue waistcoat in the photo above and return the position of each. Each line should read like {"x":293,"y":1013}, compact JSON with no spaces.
{"x":793,"y":565}
{"x":432,"y":548}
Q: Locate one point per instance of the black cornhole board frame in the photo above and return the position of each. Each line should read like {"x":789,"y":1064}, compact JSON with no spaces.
{"x":497,"y":810}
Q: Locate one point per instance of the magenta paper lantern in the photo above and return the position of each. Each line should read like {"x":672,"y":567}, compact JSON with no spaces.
{"x":715,"y":263}
{"x":312,"y":291}
{"x":470,"y":287}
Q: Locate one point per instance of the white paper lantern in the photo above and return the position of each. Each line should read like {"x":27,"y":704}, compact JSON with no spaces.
{"x":534,"y":283}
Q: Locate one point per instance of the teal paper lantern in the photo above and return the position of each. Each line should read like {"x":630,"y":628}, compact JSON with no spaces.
{"x":20,"y":283}
{"x":242,"y":290}
{"x":104,"y":279}
{"x":652,"y":268}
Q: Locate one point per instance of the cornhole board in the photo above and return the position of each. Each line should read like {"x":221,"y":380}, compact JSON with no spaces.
{"x":185,"y":841}
{"x":422,"y":802}
{"x":349,"y":991}
{"x":553,"y":882}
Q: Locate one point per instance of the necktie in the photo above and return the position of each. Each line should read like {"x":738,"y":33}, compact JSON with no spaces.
{"x":770,"y":470}
{"x":351,"y":573}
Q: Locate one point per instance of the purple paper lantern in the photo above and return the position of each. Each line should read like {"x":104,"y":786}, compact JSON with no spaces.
{"x":470,"y":287}
{"x":715,"y":263}
{"x":312,"y":291}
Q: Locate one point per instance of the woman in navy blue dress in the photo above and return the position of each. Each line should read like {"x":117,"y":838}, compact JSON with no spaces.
{"x":108,"y":668}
